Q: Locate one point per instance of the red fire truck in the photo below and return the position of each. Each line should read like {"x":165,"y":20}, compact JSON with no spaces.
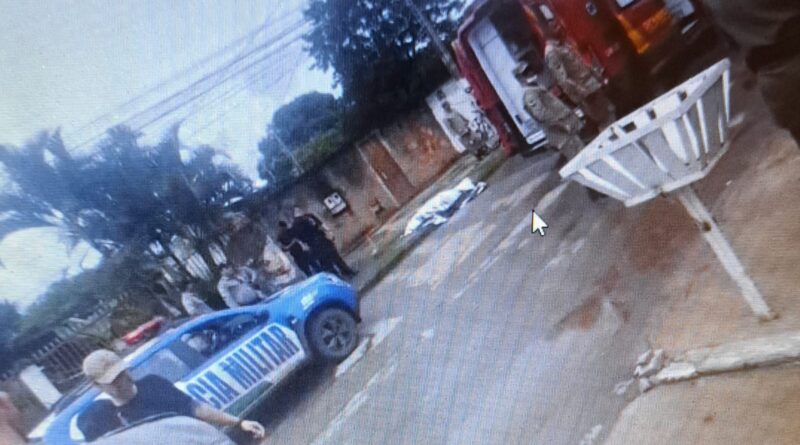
{"x":624,"y":40}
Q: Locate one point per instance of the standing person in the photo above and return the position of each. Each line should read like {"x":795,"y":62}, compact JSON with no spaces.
{"x":579,"y":83}
{"x":10,"y":422}
{"x":559,"y":122}
{"x":312,"y":231}
{"x":236,"y":289}
{"x":192,"y":304}
{"x":299,"y":252}
{"x":131,"y":401}
{"x":277,"y":267}
{"x":769,"y":33}
{"x":459,"y":125}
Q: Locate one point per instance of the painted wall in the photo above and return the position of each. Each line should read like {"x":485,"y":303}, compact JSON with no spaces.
{"x":420,"y":146}
{"x":416,"y":144}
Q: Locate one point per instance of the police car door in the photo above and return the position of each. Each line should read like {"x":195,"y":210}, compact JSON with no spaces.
{"x":243,"y":366}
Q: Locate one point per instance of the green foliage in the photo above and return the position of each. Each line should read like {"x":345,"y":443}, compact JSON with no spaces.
{"x":302,"y":119}
{"x":275,"y":165}
{"x":316,"y":151}
{"x":78,"y":296}
{"x":381,"y":55}
{"x":43,"y":180}
{"x":123,"y":197}
{"x":147,"y":194}
{"x":309,"y":128}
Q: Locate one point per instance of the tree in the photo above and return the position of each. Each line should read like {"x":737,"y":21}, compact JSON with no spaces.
{"x":307,"y":116}
{"x":137,"y":278}
{"x":308,"y":128}
{"x":381,"y":55}
{"x":151,"y":195}
{"x":43,"y":180}
{"x":124,"y":199}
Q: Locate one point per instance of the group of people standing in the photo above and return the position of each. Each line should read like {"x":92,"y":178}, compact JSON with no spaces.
{"x":255,"y":276}
{"x":581,"y":87}
{"x":311,"y":245}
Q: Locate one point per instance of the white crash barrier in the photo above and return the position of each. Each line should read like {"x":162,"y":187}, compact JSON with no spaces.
{"x":665,"y":146}
{"x":671,"y":142}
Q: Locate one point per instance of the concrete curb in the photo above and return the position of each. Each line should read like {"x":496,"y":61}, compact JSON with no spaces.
{"x":736,"y":356}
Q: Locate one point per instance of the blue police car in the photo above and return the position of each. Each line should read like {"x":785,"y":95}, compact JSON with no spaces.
{"x":232,"y":359}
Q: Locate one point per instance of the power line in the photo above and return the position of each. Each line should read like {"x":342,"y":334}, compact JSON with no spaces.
{"x":227,"y":110}
{"x":249,"y":37}
{"x":295,"y":27}
{"x":257,"y":72}
{"x":195,"y":96}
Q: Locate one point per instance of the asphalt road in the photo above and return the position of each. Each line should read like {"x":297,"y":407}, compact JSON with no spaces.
{"x":489,"y":334}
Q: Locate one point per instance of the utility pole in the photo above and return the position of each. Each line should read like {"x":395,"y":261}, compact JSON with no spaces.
{"x":444,"y":52}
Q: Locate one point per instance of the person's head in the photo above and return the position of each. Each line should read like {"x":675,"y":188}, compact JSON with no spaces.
{"x":446,"y":106}
{"x":108,"y":372}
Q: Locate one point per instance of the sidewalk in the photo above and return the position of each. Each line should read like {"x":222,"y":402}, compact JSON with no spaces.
{"x":385,"y":247}
{"x":753,"y":194}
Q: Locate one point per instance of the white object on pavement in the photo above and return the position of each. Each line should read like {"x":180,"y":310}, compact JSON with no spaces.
{"x":441,"y":206}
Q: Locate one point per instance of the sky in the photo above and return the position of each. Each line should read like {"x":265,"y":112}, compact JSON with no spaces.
{"x":78,"y":64}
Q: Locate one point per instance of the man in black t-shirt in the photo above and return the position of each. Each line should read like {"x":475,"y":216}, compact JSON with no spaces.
{"x":132,"y":401}
{"x":309,"y":229}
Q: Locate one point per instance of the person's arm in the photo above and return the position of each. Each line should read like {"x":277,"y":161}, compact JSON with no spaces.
{"x":556,"y":65}
{"x":216,"y":417}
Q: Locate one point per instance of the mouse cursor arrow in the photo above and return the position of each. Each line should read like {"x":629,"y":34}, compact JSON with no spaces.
{"x":537,"y":223}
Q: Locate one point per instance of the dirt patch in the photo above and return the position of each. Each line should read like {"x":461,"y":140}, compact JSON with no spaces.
{"x":586,"y":315}
{"x":690,"y":288}
{"x":662,"y":234}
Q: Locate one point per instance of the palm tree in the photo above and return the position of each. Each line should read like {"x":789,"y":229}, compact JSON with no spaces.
{"x":124,"y":196}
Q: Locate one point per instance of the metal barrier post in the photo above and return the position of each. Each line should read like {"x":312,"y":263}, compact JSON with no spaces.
{"x":724,"y":251}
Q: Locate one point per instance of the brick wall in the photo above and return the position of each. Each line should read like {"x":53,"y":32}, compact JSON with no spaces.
{"x":416,"y":144}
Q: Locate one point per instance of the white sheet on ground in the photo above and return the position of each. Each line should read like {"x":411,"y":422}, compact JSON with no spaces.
{"x":437,"y":210}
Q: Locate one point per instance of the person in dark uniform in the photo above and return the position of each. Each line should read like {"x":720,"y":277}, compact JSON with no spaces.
{"x":310,"y":230}
{"x":769,"y":33}
{"x":291,"y":244}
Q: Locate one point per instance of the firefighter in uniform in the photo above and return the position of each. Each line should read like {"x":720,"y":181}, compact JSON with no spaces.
{"x":579,"y":83}
{"x":769,"y":33}
{"x":559,"y":123}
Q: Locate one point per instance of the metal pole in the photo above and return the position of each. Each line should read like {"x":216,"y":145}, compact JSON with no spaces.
{"x":447,"y":58}
{"x":720,"y":245}
{"x":288,"y":152}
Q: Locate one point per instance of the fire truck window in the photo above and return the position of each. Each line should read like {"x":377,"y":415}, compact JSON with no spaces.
{"x":625,"y":3}
{"x":518,"y":36}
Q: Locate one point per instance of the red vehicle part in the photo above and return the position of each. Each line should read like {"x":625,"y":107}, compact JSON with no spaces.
{"x":144,"y":331}
{"x":612,"y":36}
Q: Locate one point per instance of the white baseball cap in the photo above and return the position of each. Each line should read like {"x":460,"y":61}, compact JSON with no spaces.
{"x":103,"y":366}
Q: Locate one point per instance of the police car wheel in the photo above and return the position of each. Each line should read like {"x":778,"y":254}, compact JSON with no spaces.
{"x":333,"y":334}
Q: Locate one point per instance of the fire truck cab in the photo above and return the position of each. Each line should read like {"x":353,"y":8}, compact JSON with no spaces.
{"x":623,"y":40}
